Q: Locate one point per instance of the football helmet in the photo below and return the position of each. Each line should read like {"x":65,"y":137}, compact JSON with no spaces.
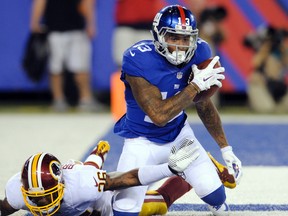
{"x":175,"y":19}
{"x":42,"y":184}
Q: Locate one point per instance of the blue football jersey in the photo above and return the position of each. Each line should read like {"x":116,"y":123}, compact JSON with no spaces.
{"x":142,"y":60}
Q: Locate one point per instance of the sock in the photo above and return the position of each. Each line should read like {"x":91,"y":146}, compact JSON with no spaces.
{"x":216,"y":198}
{"x":173,"y":188}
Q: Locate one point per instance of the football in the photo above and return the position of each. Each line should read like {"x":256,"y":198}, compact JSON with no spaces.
{"x":227,"y":179}
{"x":203,"y":95}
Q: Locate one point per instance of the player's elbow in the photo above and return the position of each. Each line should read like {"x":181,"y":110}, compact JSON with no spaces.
{"x":160,"y":124}
{"x":159,"y":120}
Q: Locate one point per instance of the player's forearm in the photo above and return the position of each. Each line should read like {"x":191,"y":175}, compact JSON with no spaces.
{"x":174,"y":105}
{"x":117,"y":180}
{"x":142,"y":176}
{"x":162,"y":111}
{"x":211,"y":119}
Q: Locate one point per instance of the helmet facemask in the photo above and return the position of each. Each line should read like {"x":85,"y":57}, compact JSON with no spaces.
{"x":182,"y":53}
{"x":43,"y":187}
{"x":175,"y":21}
{"x":53,"y":196}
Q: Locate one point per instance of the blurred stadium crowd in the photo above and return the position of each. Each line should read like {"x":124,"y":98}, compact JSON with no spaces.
{"x":237,"y":30}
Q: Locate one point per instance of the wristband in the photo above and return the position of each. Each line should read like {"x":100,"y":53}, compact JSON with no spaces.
{"x":195,"y":87}
{"x":227,"y":148}
{"x":173,"y":171}
{"x":180,"y":174}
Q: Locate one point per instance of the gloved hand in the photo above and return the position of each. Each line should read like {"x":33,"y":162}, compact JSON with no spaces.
{"x":98,"y":154}
{"x":209,"y":76}
{"x":234,"y":165}
{"x":180,"y":158}
{"x":102,"y":149}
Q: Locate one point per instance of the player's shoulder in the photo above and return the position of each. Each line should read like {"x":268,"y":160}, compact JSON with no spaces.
{"x":140,"y":52}
{"x":142,"y":46}
{"x":202,"y":45}
{"x":13,"y":195}
{"x":71,"y":162}
{"x":202,"y":53}
{"x":15,"y":180}
{"x":80,"y":183}
{"x":140,"y":58}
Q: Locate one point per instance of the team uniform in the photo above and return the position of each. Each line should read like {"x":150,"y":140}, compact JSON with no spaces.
{"x":146,"y":143}
{"x":141,"y":60}
{"x":45,"y":187}
{"x":83,"y":192}
{"x":168,"y":65}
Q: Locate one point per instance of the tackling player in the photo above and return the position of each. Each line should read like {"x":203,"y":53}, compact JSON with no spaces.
{"x":45,"y":187}
{"x":157,"y":92}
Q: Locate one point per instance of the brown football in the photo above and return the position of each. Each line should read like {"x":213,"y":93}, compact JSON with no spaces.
{"x":203,"y":95}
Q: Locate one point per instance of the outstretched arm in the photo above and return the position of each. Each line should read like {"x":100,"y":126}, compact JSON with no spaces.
{"x":118,"y":180}
{"x":6,"y":208}
{"x":179,"y":159}
{"x":142,"y":176}
{"x":211,"y":119}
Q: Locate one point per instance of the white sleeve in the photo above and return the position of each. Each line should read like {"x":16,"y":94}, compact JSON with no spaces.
{"x":153,"y":173}
{"x":13,"y":192}
{"x":83,"y":184}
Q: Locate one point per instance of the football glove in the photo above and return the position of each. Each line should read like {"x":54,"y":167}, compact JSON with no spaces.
{"x":98,"y":155}
{"x":182,"y":156}
{"x":234,"y":165}
{"x":207,"y":77}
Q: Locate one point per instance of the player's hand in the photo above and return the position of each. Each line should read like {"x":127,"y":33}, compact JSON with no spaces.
{"x":234,"y":165}
{"x":98,"y":154}
{"x":102,"y":149}
{"x":182,"y":156}
{"x":209,"y":76}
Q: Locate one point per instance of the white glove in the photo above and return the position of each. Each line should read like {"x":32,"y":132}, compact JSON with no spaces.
{"x":180,"y":158}
{"x":209,"y":76}
{"x":234,"y":165}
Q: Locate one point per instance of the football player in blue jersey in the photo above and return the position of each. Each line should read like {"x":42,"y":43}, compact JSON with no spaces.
{"x":157,"y":92}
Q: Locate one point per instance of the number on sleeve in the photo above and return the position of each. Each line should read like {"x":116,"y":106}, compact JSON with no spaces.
{"x":102,"y":180}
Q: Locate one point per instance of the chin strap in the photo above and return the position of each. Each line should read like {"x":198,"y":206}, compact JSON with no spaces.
{"x":176,"y":57}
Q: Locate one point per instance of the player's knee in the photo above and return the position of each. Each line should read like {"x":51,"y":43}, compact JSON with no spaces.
{"x":126,"y":203}
{"x":216,"y":198}
{"x":122,"y":202}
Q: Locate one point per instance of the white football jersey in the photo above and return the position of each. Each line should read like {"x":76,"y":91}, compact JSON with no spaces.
{"x":83,"y":193}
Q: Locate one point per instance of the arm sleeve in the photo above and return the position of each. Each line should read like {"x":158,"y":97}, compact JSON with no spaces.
{"x":153,"y":173}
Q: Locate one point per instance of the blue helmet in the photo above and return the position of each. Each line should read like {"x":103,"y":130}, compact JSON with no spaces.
{"x":175,"y":19}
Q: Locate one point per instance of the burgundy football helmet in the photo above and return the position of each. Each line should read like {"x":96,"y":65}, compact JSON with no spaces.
{"x":43,"y":187}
